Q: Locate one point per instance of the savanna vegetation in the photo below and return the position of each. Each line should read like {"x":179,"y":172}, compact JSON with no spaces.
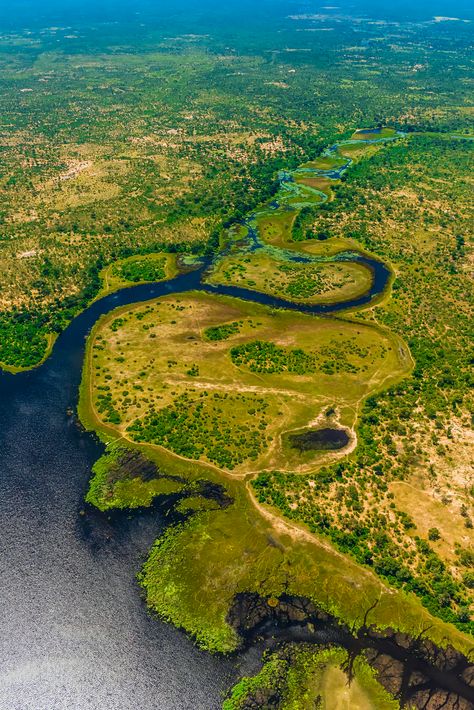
{"x":188,"y":374}
{"x":317,"y":282}
{"x":410,"y":474}
{"x":120,"y":139}
{"x":123,"y":153}
{"x":137,"y":269}
{"x":361,"y":504}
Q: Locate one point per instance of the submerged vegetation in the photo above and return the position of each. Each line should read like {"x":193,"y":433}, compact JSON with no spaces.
{"x":125,"y":478}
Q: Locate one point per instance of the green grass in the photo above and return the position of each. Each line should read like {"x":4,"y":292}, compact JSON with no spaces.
{"x":385,"y":132}
{"x":300,"y":677}
{"x":312,"y":283}
{"x":133,"y":270}
{"x":226,"y":401}
{"x":195,"y":570}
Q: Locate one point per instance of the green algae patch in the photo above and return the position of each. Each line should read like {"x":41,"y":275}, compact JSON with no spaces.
{"x":267,"y":681}
{"x":367,"y":679}
{"x":195,"y":504}
{"x":124,"y":478}
{"x":131,"y":493}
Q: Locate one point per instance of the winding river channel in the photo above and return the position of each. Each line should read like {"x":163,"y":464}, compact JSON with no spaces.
{"x":74,"y":630}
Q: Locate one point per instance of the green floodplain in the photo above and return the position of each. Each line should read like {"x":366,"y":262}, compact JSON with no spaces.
{"x":277,"y":250}
{"x":209,"y":388}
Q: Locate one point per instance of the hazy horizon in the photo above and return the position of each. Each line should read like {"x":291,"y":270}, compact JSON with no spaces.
{"x":25,"y":13}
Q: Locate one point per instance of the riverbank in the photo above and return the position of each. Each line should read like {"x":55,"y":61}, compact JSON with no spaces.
{"x":294,"y":196}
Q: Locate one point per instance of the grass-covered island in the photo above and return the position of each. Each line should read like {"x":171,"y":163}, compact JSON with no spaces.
{"x":138,"y":269}
{"x":223,"y":381}
{"x":312,"y":283}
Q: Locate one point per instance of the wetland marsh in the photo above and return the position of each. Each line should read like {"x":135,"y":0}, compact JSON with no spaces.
{"x":218,"y":388}
{"x":219,"y":345}
{"x":216,"y":382}
{"x":268,"y":312}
